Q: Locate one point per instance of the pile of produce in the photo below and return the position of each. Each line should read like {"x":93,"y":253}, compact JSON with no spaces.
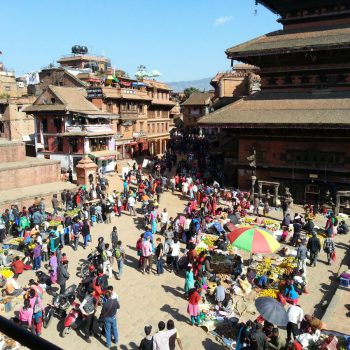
{"x":247,"y":220}
{"x":272,"y":293}
{"x":272,"y":225}
{"x":16,"y":241}
{"x":222,"y":264}
{"x":72,"y":213}
{"x":286,"y":266}
{"x":6,"y":272}
{"x":210,"y":240}
{"x":226,"y":330}
{"x":217,"y":258}
{"x":201,"y":247}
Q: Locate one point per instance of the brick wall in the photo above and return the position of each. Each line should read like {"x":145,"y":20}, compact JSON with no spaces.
{"x":12,"y":152}
{"x":29,"y":176}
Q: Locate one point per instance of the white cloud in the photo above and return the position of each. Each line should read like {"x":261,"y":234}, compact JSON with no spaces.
{"x":222,"y":20}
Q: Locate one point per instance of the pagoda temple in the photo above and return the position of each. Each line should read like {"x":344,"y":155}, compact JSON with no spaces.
{"x":299,"y":123}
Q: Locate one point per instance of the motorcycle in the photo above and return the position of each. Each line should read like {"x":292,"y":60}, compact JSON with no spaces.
{"x":73,"y":320}
{"x":93,"y":260}
{"x":59,"y":306}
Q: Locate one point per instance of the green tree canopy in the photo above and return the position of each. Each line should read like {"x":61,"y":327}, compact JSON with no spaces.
{"x":190,"y":90}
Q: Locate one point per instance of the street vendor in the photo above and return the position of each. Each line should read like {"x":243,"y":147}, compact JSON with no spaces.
{"x":264,"y":280}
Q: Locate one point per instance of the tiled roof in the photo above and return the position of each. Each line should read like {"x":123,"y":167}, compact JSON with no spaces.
{"x":70,"y":99}
{"x":283,"y":40}
{"x":156,"y":84}
{"x":198,"y":99}
{"x":283,"y":108}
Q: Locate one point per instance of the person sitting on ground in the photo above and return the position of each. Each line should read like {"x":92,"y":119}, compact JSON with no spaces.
{"x":251,"y":275}
{"x":259,"y":220}
{"x":290,"y":292}
{"x":238,"y":269}
{"x":220,"y":292}
{"x":343,"y":228}
{"x":265,"y":280}
{"x":12,"y":287}
{"x":18,"y":266}
{"x":312,"y":323}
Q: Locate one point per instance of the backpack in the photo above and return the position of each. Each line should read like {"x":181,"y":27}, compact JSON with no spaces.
{"x":117,"y":253}
{"x":104,"y":255}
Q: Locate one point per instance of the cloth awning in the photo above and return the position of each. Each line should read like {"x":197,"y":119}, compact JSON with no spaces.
{"x":103,"y":155}
{"x":125,"y":83}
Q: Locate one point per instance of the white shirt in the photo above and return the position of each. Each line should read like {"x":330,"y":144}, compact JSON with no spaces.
{"x":195,"y":188}
{"x":131,"y":201}
{"x":187,"y":224}
{"x":295,"y":314}
{"x":175,"y":249}
{"x":164,"y":217}
{"x":161,"y":339}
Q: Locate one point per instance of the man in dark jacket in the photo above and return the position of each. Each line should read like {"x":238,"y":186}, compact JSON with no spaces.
{"x":63,"y":198}
{"x":63,"y":276}
{"x":54,"y":203}
{"x":314,"y":247}
{"x":85,"y":231}
{"x":259,"y":341}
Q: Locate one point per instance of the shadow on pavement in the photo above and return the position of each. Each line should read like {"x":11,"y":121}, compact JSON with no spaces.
{"x":178,"y":292}
{"x":208,"y":344}
{"x":174,"y":312}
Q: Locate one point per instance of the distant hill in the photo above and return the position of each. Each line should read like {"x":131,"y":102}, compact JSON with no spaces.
{"x":201,"y":84}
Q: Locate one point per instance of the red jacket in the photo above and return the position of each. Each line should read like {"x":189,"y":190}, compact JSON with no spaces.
{"x":194,"y":298}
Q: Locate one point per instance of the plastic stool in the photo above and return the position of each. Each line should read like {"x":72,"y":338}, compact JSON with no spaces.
{"x":344,"y":282}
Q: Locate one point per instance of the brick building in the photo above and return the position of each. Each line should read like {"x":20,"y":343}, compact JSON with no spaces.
{"x":15,"y":125}
{"x":143,"y":108}
{"x":68,"y":126}
{"x":298,"y":124}
{"x":196,"y":106}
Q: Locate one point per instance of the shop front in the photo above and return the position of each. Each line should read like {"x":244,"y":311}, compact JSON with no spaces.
{"x":105,"y":160}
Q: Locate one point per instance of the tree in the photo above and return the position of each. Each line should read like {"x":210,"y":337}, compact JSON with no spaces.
{"x":190,"y":90}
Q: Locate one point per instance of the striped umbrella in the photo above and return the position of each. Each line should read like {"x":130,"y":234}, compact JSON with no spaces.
{"x":253,"y":239}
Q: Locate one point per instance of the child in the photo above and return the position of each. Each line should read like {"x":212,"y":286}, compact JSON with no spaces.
{"x":147,"y":341}
{"x":285,"y":234}
{"x":44,"y":251}
{"x":64,"y":259}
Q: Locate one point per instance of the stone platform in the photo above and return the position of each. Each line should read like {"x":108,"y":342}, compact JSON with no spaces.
{"x":337,"y":314}
{"x":25,"y":196}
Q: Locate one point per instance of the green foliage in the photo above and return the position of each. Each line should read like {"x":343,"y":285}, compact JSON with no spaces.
{"x":190,"y":90}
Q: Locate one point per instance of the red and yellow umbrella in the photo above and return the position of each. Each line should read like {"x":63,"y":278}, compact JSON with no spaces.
{"x":253,"y":239}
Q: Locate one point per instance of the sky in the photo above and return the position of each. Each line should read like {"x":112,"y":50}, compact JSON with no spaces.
{"x":183,"y":39}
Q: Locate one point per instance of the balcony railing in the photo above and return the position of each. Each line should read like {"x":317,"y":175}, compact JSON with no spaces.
{"x":139,"y":134}
{"x":89,"y":128}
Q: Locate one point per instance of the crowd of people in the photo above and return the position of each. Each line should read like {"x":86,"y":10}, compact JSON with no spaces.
{"x":197,"y":180}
